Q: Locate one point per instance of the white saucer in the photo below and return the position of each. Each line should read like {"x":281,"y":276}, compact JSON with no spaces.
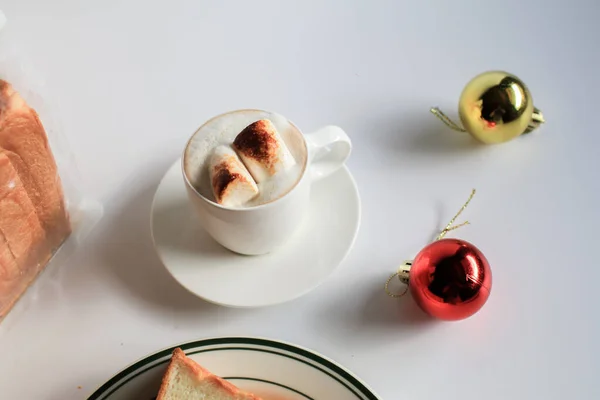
{"x":219,"y":276}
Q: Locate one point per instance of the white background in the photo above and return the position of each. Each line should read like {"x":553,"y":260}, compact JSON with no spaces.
{"x":135,"y":78}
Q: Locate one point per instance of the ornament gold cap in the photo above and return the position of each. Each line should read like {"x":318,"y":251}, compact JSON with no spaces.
{"x":404,"y":271}
{"x":403,"y":275}
{"x":495,"y":107}
{"x":537,"y":118}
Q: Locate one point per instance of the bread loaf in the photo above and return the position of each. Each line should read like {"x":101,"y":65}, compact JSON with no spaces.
{"x":33,"y":217}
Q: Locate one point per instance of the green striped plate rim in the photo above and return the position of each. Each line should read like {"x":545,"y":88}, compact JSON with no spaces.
{"x":305,"y":356}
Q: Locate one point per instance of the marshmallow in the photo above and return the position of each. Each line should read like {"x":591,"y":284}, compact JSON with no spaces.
{"x":262,"y":150}
{"x":231,"y":182}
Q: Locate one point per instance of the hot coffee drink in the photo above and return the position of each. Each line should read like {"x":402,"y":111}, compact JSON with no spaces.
{"x":245,"y":158}
{"x":248,"y":176}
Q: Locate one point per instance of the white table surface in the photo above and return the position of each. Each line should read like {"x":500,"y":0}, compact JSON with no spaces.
{"x":135,"y":78}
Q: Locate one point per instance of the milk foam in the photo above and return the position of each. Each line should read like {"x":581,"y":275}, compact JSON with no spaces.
{"x":276,"y":186}
{"x":222,"y":130}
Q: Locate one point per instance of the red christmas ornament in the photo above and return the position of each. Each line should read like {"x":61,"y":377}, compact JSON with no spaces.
{"x":449,"y":279}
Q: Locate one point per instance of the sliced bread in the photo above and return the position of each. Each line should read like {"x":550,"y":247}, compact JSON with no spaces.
{"x":187,"y":380}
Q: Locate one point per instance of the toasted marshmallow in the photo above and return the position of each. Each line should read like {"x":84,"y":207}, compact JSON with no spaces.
{"x":231,"y":182}
{"x":262,"y":150}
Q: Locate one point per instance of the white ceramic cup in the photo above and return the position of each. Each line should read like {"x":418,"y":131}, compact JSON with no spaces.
{"x":263,"y":228}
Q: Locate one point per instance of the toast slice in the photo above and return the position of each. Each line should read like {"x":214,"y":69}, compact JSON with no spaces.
{"x":187,"y":380}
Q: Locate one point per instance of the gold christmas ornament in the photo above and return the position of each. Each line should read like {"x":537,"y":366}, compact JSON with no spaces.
{"x":495,"y":107}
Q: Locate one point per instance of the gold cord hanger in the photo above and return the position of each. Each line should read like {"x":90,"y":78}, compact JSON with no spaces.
{"x":446,"y":120}
{"x":404,"y":270}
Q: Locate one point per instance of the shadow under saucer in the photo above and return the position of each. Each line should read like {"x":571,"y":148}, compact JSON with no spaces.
{"x":127,"y":250}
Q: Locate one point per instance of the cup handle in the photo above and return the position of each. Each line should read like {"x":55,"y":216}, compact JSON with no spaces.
{"x":328,"y":150}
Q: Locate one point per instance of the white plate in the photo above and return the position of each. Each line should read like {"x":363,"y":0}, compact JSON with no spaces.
{"x":220,"y":276}
{"x":270,"y":369}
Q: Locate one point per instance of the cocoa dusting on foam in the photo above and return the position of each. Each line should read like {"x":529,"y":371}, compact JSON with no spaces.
{"x":257,"y":141}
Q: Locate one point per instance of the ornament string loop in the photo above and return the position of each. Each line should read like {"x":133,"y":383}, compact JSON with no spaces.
{"x":446,"y":120}
{"x":404,"y":269}
{"x":392,"y":294}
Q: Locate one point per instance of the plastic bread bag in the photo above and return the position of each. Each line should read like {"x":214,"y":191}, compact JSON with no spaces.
{"x":42,"y":209}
